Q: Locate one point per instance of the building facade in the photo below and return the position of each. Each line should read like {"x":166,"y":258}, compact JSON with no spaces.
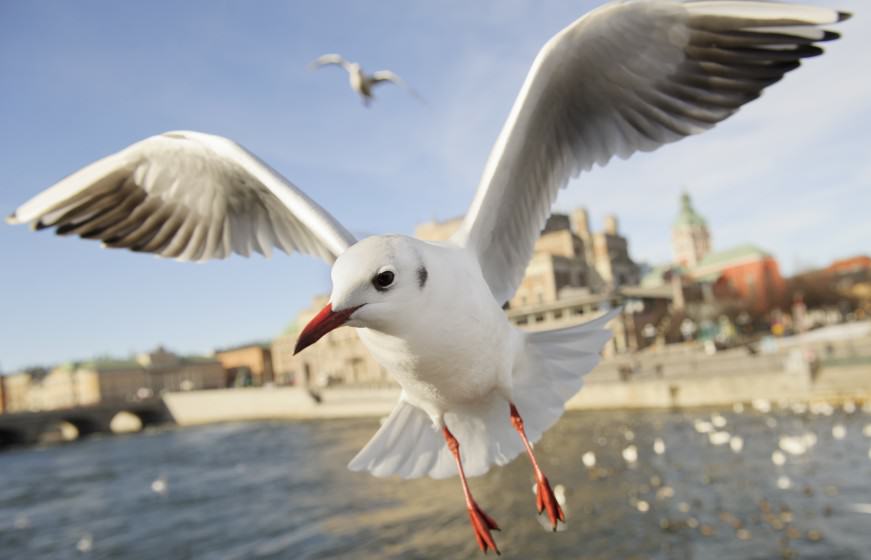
{"x":247,"y":364}
{"x":745,"y":274}
{"x":109,"y":380}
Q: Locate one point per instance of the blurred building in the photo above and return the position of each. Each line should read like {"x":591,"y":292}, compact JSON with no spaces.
{"x":745,"y":274}
{"x":690,"y":238}
{"x":568,"y":258}
{"x":109,"y":380}
{"x":14,"y":390}
{"x":247,"y":364}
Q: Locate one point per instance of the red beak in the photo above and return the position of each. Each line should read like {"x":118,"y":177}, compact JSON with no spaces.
{"x":322,"y":323}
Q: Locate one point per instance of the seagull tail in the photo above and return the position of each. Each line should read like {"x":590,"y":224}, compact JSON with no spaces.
{"x":551,"y":372}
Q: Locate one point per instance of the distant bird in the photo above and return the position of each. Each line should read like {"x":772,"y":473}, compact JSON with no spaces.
{"x":476,"y":391}
{"x":360,"y":81}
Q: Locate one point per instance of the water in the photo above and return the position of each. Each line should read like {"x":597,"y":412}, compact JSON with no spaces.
{"x":281,"y":490}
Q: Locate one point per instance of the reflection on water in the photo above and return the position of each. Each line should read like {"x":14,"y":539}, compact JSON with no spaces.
{"x":635,"y":485}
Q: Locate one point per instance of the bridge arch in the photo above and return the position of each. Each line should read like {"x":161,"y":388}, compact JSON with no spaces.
{"x":85,"y":425}
{"x":10,"y":437}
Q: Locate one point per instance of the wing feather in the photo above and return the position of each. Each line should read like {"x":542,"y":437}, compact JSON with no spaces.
{"x":630,"y":76}
{"x":190,"y":196}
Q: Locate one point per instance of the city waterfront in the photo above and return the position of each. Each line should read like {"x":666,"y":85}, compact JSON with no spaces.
{"x":696,"y":484}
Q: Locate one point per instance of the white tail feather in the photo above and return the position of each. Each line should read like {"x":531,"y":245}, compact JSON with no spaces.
{"x":407,"y":445}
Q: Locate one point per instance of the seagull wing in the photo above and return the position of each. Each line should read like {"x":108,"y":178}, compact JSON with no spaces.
{"x":326,"y":59}
{"x":629,"y":76}
{"x":189,"y":196}
{"x":389,"y":76}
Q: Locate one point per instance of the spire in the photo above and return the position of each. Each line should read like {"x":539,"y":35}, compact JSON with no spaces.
{"x":690,"y":238}
{"x":688,"y":215}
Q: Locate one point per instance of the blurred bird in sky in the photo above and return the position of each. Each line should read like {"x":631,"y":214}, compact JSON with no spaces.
{"x":476,"y":391}
{"x":360,"y":81}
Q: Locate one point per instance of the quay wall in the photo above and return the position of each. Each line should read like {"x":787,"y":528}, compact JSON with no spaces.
{"x":599,"y":393}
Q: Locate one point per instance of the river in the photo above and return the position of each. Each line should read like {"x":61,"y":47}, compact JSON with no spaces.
{"x":281,"y":490}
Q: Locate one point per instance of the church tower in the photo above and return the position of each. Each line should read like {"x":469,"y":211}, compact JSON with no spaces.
{"x":690,"y":239}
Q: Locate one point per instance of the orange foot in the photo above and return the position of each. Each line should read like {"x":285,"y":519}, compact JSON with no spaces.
{"x":545,"y":500}
{"x":482,"y":524}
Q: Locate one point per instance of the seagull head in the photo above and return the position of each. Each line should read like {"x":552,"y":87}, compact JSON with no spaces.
{"x":376,"y":283}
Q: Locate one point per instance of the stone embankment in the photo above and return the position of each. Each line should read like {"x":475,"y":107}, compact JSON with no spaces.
{"x":676,"y":377}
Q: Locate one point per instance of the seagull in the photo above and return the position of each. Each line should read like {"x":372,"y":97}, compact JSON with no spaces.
{"x":360,"y":81}
{"x":475,"y":390}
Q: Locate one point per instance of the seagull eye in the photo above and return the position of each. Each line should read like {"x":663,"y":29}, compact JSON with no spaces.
{"x":383,"y":280}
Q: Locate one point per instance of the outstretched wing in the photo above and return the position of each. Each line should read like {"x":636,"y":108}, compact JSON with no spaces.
{"x":326,"y":59}
{"x":629,"y":76}
{"x":189,"y":196}
{"x":387,"y":76}
{"x":382,"y":76}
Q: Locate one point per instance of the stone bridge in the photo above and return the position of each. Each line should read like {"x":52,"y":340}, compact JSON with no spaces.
{"x":23,"y":428}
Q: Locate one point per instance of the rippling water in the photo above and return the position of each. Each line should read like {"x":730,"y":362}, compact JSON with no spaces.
{"x":281,"y":490}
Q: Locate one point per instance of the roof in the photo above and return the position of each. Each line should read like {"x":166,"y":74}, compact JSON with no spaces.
{"x":262,"y":344}
{"x":688,"y":216}
{"x":852,"y":264}
{"x":107,"y":362}
{"x":710,"y":267}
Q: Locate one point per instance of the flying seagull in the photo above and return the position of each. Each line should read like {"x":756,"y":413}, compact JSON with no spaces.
{"x":360,"y":81}
{"x":476,"y":391}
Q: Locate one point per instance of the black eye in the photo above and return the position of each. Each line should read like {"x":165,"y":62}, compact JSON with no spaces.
{"x":383,"y":280}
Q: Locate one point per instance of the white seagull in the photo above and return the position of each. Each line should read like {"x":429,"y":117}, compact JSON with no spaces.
{"x":628,"y":76}
{"x":360,"y":81}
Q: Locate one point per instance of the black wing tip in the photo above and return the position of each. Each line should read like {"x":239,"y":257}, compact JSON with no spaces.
{"x":844,"y":16}
{"x":830,"y":36}
{"x":12,"y":219}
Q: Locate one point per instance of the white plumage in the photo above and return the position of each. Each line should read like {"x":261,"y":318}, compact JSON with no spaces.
{"x":630,"y":76}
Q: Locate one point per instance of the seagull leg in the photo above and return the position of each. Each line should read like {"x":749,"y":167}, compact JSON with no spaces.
{"x":482,"y":523}
{"x":544,"y":498}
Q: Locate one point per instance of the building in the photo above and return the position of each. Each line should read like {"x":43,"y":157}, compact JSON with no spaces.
{"x":14,"y":390}
{"x":690,"y":238}
{"x":611,"y":258}
{"x":338,"y":357}
{"x":558,"y":265}
{"x":247,"y":364}
{"x":568,"y":258}
{"x":109,"y":380}
{"x":745,"y":274}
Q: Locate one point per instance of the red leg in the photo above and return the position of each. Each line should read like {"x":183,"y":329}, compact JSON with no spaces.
{"x":482,"y":523}
{"x":544,"y":498}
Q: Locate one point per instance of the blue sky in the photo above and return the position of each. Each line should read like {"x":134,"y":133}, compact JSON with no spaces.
{"x":83,"y":79}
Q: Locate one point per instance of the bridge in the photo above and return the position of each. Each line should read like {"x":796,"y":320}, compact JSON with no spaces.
{"x":24,"y":428}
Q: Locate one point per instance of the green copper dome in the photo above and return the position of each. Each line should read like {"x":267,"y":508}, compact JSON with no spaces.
{"x":688,"y":216}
